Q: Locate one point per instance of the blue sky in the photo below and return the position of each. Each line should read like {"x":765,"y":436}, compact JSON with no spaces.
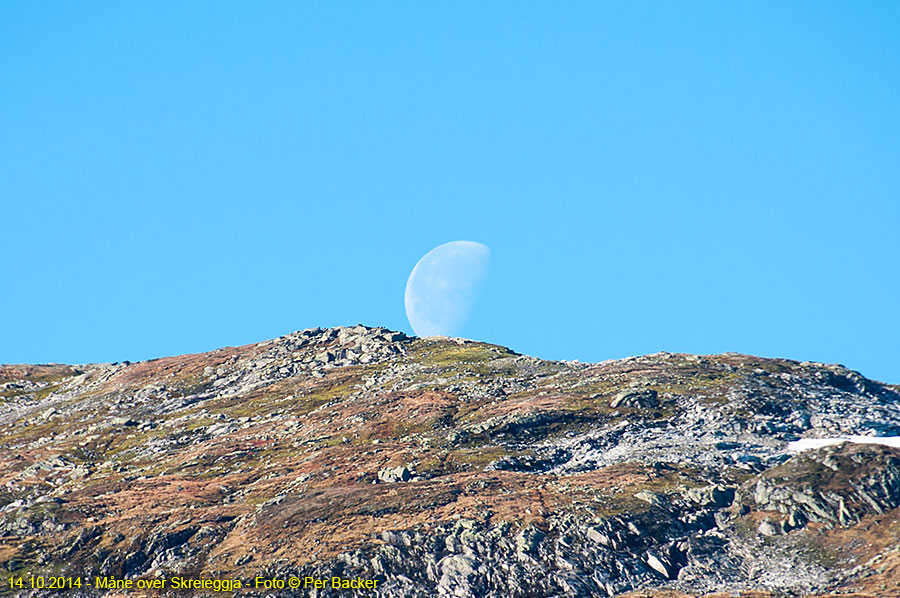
{"x":693,"y":177}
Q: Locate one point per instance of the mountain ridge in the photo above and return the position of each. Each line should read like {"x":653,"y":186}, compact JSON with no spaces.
{"x":451,"y":467}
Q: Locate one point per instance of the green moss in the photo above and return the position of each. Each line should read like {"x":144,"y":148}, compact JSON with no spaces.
{"x":274,"y":398}
{"x":617,"y":501}
{"x":448,"y":462}
{"x":32,"y":431}
{"x":467,"y":359}
{"x":52,"y":380}
{"x":46,"y":392}
{"x":445,"y":353}
{"x":14,"y":393}
{"x":39,"y":373}
{"x":199,"y":422}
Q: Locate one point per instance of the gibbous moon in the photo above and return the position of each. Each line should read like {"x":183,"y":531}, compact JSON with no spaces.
{"x":443,"y":287}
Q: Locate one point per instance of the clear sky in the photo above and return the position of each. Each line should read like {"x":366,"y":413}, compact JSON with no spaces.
{"x":681,"y":176}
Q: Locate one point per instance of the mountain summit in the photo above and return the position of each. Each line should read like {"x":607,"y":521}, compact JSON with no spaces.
{"x":446,"y":467}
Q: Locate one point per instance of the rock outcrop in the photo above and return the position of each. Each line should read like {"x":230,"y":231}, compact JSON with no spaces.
{"x":835,"y":485}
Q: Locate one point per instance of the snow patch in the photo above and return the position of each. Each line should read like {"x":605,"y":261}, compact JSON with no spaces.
{"x":806,"y":444}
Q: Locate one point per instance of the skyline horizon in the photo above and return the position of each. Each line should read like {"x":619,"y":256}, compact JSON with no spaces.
{"x":411,"y":334}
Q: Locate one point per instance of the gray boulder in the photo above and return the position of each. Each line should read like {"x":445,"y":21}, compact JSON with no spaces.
{"x":636,"y":398}
{"x":395,"y":474}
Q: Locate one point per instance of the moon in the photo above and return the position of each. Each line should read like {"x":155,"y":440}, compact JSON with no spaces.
{"x":443,"y":286}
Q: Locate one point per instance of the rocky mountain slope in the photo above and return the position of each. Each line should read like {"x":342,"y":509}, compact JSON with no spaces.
{"x":444,"y":467}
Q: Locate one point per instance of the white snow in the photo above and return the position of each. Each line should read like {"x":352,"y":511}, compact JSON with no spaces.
{"x":806,"y":444}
